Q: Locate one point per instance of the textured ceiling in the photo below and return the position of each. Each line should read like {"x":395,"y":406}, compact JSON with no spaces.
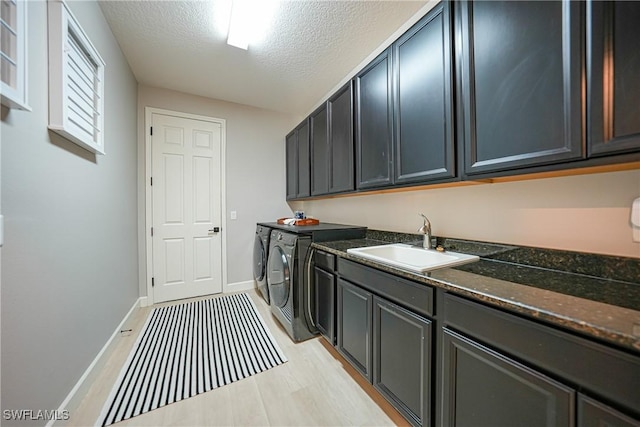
{"x":310,"y":47}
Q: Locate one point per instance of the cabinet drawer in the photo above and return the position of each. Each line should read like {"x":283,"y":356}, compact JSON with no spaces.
{"x":325,"y":260}
{"x":415,"y":296}
{"x":605,"y":371}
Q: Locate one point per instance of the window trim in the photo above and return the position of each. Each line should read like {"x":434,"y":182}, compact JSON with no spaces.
{"x":17,"y":97}
{"x":63,"y":26}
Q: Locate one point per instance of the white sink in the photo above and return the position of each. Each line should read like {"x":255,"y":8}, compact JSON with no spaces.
{"x":411,"y":257}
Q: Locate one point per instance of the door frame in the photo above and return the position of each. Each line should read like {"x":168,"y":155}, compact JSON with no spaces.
{"x":148,"y":221}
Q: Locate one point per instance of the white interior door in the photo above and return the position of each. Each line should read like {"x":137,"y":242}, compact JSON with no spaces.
{"x":187,"y":207}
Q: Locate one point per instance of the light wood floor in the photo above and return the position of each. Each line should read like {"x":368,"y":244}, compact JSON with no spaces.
{"x":315,"y":387}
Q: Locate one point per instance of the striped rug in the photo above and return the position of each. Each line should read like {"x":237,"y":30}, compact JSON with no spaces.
{"x":187,"y":349}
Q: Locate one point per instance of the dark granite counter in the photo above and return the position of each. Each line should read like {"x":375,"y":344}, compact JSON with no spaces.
{"x":593,"y":295}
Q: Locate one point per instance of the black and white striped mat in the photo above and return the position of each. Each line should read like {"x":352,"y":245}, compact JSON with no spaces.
{"x":187,"y":349}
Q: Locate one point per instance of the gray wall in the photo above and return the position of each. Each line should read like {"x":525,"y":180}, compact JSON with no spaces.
{"x":69,"y":261}
{"x":255,"y":171}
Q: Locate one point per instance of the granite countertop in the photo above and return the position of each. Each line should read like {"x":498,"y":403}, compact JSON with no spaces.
{"x":593,"y":295}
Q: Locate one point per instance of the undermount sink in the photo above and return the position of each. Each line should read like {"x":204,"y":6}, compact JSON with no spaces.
{"x":411,"y":257}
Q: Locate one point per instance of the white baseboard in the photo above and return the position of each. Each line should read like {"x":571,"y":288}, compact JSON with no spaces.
{"x":78,"y":392}
{"x":239,"y":286}
{"x":144,"y":302}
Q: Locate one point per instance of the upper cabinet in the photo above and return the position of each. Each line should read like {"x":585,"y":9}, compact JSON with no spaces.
{"x":298,"y":171}
{"x":332,"y":145}
{"x":519,"y":83}
{"x":319,"y":151}
{"x":374,"y":126}
{"x":484,"y":89}
{"x":340,"y":109}
{"x":613,"y":32}
{"x":423,"y":100}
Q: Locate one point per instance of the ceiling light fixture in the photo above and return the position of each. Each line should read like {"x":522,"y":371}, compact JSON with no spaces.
{"x":249,"y":21}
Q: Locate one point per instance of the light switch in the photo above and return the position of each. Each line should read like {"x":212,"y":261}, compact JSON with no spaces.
{"x":234,"y":215}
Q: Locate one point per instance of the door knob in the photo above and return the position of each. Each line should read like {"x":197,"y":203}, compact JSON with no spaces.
{"x":214,"y":230}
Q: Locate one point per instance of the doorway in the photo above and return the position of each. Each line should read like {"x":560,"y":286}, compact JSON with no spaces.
{"x":185,"y":172}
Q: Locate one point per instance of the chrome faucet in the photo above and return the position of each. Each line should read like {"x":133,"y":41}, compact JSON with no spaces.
{"x":426,"y":231}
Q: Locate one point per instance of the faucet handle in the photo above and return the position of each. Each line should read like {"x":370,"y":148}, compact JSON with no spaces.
{"x":426,"y":226}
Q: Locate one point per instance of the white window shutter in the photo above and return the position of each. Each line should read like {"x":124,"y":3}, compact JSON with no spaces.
{"x":76,"y":81}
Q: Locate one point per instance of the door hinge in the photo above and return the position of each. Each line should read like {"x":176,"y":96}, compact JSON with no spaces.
{"x":151,"y":181}
{"x":151,"y":130}
{"x":153,"y":282}
{"x":151,"y":231}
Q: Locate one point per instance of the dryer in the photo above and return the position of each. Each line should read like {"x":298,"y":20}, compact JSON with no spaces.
{"x":289,"y":277}
{"x":286,"y":281}
{"x":260,"y":258}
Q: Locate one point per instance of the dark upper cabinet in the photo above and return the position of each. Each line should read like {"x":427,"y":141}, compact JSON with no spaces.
{"x":519,"y":83}
{"x":613,"y":34}
{"x":298,"y":162}
{"x":486,"y":388}
{"x":423,"y":100}
{"x":332,"y":145}
{"x":304,"y":170}
{"x":319,"y":151}
{"x":340,"y":110}
{"x":291,"y":148}
{"x":374,"y":127}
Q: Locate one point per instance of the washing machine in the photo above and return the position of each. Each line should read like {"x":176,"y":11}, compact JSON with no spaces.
{"x":288,"y":287}
{"x":260,"y":258}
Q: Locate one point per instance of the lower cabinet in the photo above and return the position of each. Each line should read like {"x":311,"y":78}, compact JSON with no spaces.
{"x":390,"y":346}
{"x":592,"y":413}
{"x":354,"y":326}
{"x":325,"y":290}
{"x":402,"y":359}
{"x":486,"y":388}
{"x":445,"y":360}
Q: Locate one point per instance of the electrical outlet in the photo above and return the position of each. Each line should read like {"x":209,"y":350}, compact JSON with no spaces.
{"x":234,"y":215}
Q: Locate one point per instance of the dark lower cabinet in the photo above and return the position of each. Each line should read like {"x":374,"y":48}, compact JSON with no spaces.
{"x":612,"y":73}
{"x":354,"y":326}
{"x":374,"y":127}
{"x":519,"y":83}
{"x":592,"y":413}
{"x":472,"y":364}
{"x":486,"y":388}
{"x":402,"y":360}
{"x":325,"y":292}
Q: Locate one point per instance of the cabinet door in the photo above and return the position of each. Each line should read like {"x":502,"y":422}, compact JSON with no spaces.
{"x":592,"y":413}
{"x":304,"y":176}
{"x":519,"y":83}
{"x":402,"y":360}
{"x":341,"y":176}
{"x":423,"y":118}
{"x":613,"y":70}
{"x":354,"y":326}
{"x":292,"y":165}
{"x":325,"y":285}
{"x":319,"y":152}
{"x":485,"y":388}
{"x":374,"y":123}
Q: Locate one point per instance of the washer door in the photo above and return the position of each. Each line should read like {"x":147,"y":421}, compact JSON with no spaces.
{"x":259,"y":259}
{"x":278,"y":277}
